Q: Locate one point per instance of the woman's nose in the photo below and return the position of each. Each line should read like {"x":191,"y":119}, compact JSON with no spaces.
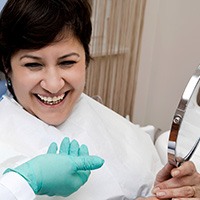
{"x":53,"y":81}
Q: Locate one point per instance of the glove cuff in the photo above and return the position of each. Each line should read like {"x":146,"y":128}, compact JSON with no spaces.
{"x":28,"y":174}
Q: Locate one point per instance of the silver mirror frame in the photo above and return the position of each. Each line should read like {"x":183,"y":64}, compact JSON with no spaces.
{"x":178,"y":118}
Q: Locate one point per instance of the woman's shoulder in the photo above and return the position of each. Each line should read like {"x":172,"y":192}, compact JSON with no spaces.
{"x":95,"y":115}
{"x":103,"y":111}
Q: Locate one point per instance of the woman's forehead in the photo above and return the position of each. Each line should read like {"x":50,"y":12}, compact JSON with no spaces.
{"x":65,"y":46}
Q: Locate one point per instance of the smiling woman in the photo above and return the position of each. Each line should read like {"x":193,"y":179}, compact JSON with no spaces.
{"x":54,"y":77}
{"x":44,"y":52}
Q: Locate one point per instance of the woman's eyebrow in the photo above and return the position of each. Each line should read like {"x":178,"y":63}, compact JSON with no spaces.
{"x":30,"y":56}
{"x":39,"y":58}
{"x":68,"y":55}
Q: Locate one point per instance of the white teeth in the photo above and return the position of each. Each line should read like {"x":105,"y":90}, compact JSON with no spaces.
{"x":51,"y":100}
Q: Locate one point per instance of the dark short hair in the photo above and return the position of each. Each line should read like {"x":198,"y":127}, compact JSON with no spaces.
{"x":33,"y":24}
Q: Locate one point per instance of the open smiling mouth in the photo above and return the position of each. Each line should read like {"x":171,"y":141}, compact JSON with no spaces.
{"x":51,"y":100}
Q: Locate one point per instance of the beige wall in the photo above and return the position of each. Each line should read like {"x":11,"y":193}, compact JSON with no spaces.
{"x":169,"y":56}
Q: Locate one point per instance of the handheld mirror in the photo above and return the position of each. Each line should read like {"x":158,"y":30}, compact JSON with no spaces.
{"x":185,"y":129}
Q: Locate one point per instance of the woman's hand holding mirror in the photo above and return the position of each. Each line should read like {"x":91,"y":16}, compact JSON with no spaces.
{"x":180,"y":182}
{"x":179,"y":178}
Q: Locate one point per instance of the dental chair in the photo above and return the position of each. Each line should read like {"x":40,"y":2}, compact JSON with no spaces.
{"x":3,"y":88}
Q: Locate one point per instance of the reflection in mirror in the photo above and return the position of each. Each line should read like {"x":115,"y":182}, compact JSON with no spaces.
{"x":185,"y":130}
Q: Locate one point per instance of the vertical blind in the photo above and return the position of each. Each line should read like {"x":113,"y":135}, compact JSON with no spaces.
{"x":115,"y":48}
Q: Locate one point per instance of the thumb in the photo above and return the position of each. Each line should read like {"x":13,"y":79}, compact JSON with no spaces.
{"x":88,"y":162}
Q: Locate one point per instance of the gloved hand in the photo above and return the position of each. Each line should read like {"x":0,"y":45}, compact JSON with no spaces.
{"x":59,"y":174}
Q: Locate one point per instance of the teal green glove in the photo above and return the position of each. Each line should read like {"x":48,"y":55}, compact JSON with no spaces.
{"x":59,"y":174}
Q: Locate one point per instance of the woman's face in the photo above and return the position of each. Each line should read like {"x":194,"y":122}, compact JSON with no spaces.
{"x":47,"y":82}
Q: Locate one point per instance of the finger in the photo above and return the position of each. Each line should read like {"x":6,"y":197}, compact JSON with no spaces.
{"x":73,"y":148}
{"x":52,"y":148}
{"x":83,"y":150}
{"x":183,"y":192}
{"x":64,"y":146}
{"x":178,"y":182}
{"x":88,"y":162}
{"x":164,"y":174}
{"x":187,"y":168}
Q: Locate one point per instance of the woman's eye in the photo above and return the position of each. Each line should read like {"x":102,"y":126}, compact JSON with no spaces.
{"x":32,"y":65}
{"x":67,"y":63}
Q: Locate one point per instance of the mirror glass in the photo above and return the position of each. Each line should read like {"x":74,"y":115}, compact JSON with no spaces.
{"x":185,"y":130}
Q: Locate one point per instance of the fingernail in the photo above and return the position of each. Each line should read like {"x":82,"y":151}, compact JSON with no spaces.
{"x":160,"y":194}
{"x":175,"y":173}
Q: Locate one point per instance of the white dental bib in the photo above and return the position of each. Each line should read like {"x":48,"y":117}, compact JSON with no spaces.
{"x":131,"y":160}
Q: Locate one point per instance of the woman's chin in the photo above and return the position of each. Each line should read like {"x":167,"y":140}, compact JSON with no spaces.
{"x":53,"y":121}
